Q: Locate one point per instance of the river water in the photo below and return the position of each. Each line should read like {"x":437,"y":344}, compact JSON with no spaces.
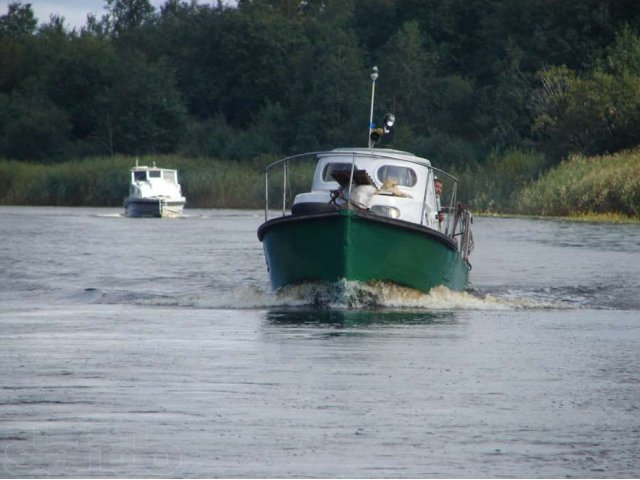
{"x":155,"y":348}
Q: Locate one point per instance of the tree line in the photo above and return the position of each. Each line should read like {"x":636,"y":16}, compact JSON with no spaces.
{"x":470,"y":81}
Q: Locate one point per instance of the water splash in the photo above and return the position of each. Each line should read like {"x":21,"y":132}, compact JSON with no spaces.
{"x":367,"y":295}
{"x":340,"y":295}
{"x":353,"y":295}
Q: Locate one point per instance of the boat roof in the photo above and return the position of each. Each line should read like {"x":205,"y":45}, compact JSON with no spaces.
{"x":381,"y":152}
{"x":138,"y":168}
{"x":372,"y":150}
{"x":362,"y":152}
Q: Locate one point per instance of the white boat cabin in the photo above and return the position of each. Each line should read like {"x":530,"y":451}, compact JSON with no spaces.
{"x":388,"y":183}
{"x":153,"y":182}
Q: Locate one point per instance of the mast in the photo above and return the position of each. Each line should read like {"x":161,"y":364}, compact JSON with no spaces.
{"x":374,"y":77}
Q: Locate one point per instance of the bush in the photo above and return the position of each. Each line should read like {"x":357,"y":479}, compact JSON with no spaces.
{"x":586,"y":185}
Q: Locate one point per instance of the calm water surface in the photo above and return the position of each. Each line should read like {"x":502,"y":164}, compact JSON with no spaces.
{"x":155,"y":348}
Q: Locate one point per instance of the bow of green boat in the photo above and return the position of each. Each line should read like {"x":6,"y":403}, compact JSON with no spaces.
{"x":358,"y":245}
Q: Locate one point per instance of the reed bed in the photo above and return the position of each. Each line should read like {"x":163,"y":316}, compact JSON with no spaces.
{"x":92,"y":182}
{"x":586,"y":186}
{"x":104,"y":181}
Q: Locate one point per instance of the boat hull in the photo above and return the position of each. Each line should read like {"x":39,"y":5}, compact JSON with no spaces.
{"x":360,"y":246}
{"x":153,"y":207}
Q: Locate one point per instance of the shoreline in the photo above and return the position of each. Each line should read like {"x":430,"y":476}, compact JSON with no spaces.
{"x":615,"y":218}
{"x":612,"y":218}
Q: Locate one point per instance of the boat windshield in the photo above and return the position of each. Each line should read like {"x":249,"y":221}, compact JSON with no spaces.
{"x":405,"y":176}
{"x":169,"y":176}
{"x":140,"y":176}
{"x":154,"y":173}
{"x":332,"y":167}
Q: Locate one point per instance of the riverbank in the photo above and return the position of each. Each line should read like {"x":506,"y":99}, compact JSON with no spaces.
{"x":614,"y":218}
{"x":605,"y":188}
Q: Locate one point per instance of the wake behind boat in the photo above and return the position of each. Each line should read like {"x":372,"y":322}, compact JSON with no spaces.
{"x":371,"y":215}
{"x":154,"y":192}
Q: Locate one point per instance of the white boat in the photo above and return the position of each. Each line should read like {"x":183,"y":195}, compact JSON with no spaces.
{"x":154,"y":192}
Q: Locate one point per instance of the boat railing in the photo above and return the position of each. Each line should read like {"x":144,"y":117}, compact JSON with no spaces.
{"x":454,"y":226}
{"x":286,"y":179}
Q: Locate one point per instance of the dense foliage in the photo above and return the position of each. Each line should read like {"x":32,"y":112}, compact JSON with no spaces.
{"x":587,"y":185}
{"x":467,"y":79}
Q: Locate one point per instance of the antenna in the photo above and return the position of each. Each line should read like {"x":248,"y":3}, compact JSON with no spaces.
{"x":374,"y":77}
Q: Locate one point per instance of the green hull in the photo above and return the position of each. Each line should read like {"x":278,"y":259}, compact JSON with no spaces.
{"x":359,"y":246}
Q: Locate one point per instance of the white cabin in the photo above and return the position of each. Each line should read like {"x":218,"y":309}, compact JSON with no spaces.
{"x":397,"y":185}
{"x":153,"y":182}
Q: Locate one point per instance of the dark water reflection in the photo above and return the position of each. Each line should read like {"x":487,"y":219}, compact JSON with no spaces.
{"x":355,"y":318}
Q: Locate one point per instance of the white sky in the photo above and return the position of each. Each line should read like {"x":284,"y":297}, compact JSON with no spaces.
{"x":74,"y":11}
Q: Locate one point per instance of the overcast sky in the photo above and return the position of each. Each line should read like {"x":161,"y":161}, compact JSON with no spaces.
{"x":74,"y":11}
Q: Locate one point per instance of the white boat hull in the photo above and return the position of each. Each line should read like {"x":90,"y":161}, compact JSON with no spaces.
{"x":153,"y":207}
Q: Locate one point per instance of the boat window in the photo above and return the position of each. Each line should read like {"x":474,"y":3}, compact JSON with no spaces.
{"x":140,"y":176}
{"x":169,"y":176}
{"x":405,"y":176}
{"x":154,"y":173}
{"x":329,"y":168}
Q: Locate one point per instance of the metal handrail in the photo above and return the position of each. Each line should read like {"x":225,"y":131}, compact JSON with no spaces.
{"x":363,"y":153}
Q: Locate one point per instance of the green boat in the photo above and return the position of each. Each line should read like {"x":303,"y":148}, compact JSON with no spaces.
{"x":371,"y":214}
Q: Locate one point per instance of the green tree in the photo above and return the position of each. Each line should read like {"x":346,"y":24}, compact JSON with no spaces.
{"x":407,"y":73}
{"x":125,"y":15}
{"x":373,"y":22}
{"x":623,"y":56}
{"x":505,"y":102}
{"x":79,"y":78}
{"x":31,"y":128}
{"x":18,"y":22}
{"x":329,"y":93}
{"x":255,"y":58}
{"x":141,"y":111}
{"x":588,"y":114}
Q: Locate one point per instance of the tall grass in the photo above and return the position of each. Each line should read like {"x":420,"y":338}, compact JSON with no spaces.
{"x":217,"y":184}
{"x":587,"y":185}
{"x":104,"y":181}
{"x":93,"y":182}
{"x":493,"y":187}
{"x":510,"y":183}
